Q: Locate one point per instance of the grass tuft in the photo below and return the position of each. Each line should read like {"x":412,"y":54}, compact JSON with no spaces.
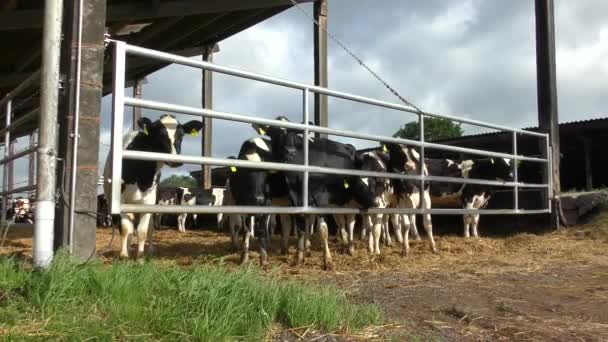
{"x":126,"y":301}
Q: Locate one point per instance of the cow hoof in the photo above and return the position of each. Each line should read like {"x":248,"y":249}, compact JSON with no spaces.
{"x":328,"y":266}
{"x":418,"y":238}
{"x":140,"y":261}
{"x":264,"y":264}
{"x":435,"y":251}
{"x":405,"y":253}
{"x":351,"y":250}
{"x":244,"y":258}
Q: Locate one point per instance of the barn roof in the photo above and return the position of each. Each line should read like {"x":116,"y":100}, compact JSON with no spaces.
{"x":182,"y":27}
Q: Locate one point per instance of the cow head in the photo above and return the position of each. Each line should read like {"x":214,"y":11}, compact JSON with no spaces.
{"x":283,"y":140}
{"x":376,"y":161}
{"x":403,"y":158}
{"x":502,"y":169}
{"x":165,"y":134}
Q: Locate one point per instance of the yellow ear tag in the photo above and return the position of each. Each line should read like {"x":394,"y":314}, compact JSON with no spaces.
{"x":384,"y":148}
{"x":346,"y":185}
{"x":194,"y":133}
{"x":146,"y":130}
{"x":262,"y":131}
{"x":233,"y":169}
{"x":492,"y":160}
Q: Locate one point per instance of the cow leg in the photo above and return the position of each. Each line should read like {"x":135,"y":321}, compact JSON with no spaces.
{"x":285,"y":232}
{"x":467,"y":224}
{"x":363,"y":228}
{"x":220,"y":218}
{"x":142,"y":234}
{"x":377,"y":231}
{"x":324,"y":233}
{"x":308,"y":231}
{"x":367,"y":223}
{"x":248,"y":235}
{"x":475,"y":225}
{"x":302,"y":240}
{"x":126,"y":230}
{"x":414,"y":227}
{"x":396,"y":227}
{"x":352,"y":220}
{"x":428,"y":225}
{"x":150,"y":238}
{"x":405,"y":224}
{"x":263,"y":240}
{"x":385,"y":228}
{"x":194,"y":223}
{"x":234,"y":223}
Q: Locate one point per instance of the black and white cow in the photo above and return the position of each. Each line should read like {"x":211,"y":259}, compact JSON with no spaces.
{"x":165,"y":196}
{"x":140,"y":178}
{"x":104,"y":219}
{"x":406,"y":159}
{"x":184,"y":197}
{"x":324,"y":190}
{"x":251,"y":187}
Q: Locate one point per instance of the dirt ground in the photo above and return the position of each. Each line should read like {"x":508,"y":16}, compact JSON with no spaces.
{"x":551,"y":287}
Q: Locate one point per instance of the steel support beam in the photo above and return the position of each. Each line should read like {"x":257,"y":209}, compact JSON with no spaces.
{"x":47,"y":146}
{"x":547,"y":95}
{"x":137,"y":90}
{"x":320,"y":51}
{"x":207,"y":103}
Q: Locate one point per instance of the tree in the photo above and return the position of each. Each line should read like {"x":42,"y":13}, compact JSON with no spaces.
{"x":179,"y":181}
{"x":434,"y":129}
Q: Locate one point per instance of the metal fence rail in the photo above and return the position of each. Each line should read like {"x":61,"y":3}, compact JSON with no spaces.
{"x":119,"y":101}
{"x":9,"y":126}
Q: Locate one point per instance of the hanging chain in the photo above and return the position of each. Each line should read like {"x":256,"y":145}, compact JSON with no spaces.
{"x":356,"y":58}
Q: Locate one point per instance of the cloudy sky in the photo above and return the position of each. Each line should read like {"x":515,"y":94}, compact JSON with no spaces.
{"x":473,"y":58}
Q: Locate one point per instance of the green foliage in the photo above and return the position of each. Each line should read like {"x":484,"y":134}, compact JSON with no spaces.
{"x":179,"y":181}
{"x":434,"y":129}
{"x":152,"y":302}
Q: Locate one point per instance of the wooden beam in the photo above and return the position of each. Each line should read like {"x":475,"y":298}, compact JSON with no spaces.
{"x":547,"y":94}
{"x":588,"y":169}
{"x":320,"y":51}
{"x":134,"y":11}
{"x":207,"y":103}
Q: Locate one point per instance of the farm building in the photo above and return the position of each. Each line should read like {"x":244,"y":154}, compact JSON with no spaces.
{"x":97,"y":35}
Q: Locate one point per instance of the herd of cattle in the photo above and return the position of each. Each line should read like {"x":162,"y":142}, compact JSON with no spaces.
{"x":258,"y":187}
{"x":20,"y":210}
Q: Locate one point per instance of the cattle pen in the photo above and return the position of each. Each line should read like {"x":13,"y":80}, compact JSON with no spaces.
{"x":64,"y":57}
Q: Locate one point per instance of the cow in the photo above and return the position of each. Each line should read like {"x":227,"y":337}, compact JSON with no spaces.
{"x":139,"y":179}
{"x":184,"y":197}
{"x":250,"y":187}
{"x":164,"y":196}
{"x":324,"y":190}
{"x":472,"y":196}
{"x":21,"y":211}
{"x":104,"y":219}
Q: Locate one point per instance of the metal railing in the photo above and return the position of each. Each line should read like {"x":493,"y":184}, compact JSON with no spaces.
{"x":119,"y":101}
{"x":6,"y":106}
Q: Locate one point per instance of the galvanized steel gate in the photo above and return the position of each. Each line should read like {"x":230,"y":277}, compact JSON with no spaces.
{"x":119,"y":101}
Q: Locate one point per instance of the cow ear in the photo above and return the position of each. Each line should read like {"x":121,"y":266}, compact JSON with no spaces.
{"x":259,"y":129}
{"x":145,"y":124}
{"x":192,"y":127}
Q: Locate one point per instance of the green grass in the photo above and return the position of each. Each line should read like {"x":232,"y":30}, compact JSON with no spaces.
{"x":152,"y":302}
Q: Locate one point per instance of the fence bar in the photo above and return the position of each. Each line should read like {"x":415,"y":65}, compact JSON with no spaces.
{"x":323,"y":130}
{"x":153,"y":156}
{"x":18,"y":190}
{"x":7,"y":142}
{"x":208,"y":209}
{"x":167,"y":57}
{"x":549,"y":169}
{"x":20,"y":121}
{"x":515,"y":175}
{"x":118,"y":108}
{"x":33,"y":78}
{"x":306,"y":175}
{"x":421,"y":161}
{"x":18,"y":155}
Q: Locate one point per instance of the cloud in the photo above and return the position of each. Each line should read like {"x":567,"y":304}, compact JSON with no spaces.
{"x":474,"y":59}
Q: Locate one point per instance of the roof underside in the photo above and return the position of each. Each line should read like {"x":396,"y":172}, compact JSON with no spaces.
{"x":182,"y":27}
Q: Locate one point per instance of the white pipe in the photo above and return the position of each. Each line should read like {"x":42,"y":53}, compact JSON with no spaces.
{"x":76,"y":129}
{"x":47,"y":122}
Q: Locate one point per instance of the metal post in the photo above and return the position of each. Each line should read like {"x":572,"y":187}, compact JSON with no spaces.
{"x":75,"y":132}
{"x":137,"y":90}
{"x":207,"y":98}
{"x":31,"y":161}
{"x":7,"y":137}
{"x":11,"y":164}
{"x":515,"y":175}
{"x":320,"y":51}
{"x":421,"y":161}
{"x":118,"y":108}
{"x":47,"y":145}
{"x":305,"y":115}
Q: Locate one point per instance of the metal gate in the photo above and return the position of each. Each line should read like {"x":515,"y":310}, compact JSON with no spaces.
{"x":119,"y":101}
